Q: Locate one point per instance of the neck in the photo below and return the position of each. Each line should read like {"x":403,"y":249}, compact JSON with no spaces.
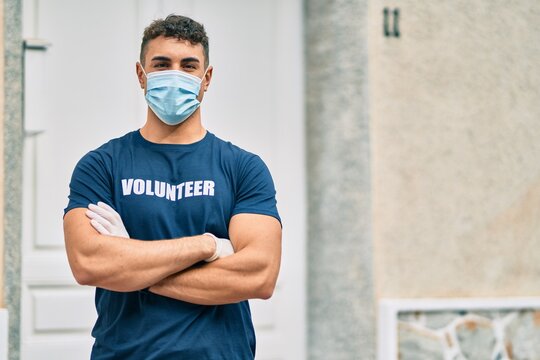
{"x":187,"y":132}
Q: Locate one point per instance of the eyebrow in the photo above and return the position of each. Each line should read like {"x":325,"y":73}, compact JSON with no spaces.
{"x":160,"y":58}
{"x":190,"y":59}
{"x":185,"y":60}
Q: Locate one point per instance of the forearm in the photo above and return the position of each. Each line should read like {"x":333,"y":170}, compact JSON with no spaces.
{"x":244,"y":275}
{"x":123,"y":264}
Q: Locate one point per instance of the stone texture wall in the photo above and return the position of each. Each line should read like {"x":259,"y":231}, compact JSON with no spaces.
{"x":463,"y":335}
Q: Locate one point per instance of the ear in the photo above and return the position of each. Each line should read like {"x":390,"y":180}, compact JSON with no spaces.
{"x":140,"y":75}
{"x":207,"y":78}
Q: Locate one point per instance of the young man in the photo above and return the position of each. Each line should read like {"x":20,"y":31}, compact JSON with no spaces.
{"x":150,"y":216}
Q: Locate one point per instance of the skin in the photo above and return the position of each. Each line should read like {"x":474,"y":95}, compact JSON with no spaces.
{"x":165,"y":266}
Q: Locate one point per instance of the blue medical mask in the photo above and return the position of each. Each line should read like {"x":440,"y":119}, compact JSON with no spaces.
{"x":172,"y":94}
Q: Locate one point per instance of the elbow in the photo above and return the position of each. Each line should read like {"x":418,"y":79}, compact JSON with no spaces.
{"x":82,"y":270}
{"x":265,"y":293}
{"x":83,"y":278}
{"x":82,"y":274}
{"x":266,"y":285}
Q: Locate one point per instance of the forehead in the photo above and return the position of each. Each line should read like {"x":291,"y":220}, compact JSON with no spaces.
{"x":173,"y":48}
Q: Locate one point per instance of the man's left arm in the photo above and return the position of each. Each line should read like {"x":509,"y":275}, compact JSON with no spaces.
{"x":251,"y":272}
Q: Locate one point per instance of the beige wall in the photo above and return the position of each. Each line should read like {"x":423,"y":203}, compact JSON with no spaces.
{"x":456,"y":149}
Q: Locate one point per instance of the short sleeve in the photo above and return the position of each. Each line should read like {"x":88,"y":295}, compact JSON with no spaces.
{"x":91,"y":182}
{"x":255,"y":192}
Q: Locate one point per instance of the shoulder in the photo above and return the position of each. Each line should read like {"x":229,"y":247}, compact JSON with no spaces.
{"x":117,"y":143}
{"x":249,"y":169}
{"x":104,"y":155}
{"x":240,"y":156}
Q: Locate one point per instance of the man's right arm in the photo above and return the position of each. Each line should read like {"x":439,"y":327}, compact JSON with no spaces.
{"x":122,"y":264}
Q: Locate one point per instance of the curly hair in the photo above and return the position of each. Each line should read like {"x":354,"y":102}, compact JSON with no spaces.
{"x":179,"y":27}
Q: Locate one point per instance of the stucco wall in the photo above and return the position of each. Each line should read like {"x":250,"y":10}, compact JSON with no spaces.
{"x":12,"y":159}
{"x":340,"y":287}
{"x":455,"y":125}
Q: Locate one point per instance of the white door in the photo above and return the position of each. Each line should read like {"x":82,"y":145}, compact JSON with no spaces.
{"x":82,"y":91}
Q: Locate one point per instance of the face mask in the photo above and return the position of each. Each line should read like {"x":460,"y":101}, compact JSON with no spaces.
{"x":172,"y":94}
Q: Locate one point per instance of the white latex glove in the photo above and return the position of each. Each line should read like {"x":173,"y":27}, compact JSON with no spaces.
{"x":223,"y":248}
{"x":105,"y":220}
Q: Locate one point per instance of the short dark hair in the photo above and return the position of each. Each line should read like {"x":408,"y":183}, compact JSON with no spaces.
{"x":179,"y":27}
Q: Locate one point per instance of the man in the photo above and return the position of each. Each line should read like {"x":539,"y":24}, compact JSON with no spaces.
{"x":150,"y":216}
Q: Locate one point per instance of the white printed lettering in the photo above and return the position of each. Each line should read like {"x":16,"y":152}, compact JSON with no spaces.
{"x":138,"y":186}
{"x":171,"y":192}
{"x":149,"y":187}
{"x":208,"y":188}
{"x":179,"y":187}
{"x":197,"y":188}
{"x":127,"y":185}
{"x":189,"y":189}
{"x":159,"y":188}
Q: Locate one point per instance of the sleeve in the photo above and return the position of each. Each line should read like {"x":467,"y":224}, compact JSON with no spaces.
{"x":91,"y":182}
{"x":255,"y":192}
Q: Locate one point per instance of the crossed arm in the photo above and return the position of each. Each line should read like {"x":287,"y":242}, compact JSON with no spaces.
{"x":165,"y":266}
{"x":251,"y":272}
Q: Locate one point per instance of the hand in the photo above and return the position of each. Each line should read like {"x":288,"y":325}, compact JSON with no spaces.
{"x":223,"y":248}
{"x":105,"y":220}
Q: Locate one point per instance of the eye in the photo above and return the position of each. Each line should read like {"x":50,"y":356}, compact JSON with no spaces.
{"x":190,"y":65}
{"x":161,"y":65}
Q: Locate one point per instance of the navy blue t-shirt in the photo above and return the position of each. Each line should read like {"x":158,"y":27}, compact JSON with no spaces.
{"x":166,"y":191}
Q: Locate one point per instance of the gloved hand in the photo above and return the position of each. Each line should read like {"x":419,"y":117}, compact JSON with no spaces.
{"x":105,"y":220}
{"x":223,"y":248}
